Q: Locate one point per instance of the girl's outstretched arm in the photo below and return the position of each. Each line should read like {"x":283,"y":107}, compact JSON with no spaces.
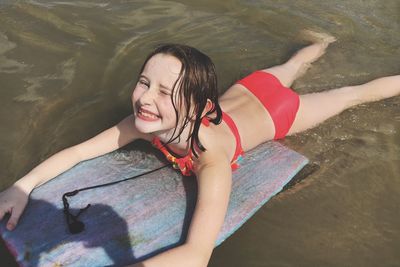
{"x":108,"y":140}
{"x":214,"y":179}
{"x":14,"y":199}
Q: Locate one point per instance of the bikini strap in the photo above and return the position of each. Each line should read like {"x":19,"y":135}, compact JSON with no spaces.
{"x":185,"y":164}
{"x":205,"y":121}
{"x":235,"y":131}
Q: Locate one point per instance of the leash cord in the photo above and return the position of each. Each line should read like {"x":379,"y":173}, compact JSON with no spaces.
{"x":74,"y":225}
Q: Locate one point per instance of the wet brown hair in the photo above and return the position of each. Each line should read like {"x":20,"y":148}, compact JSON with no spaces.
{"x":198,"y":82}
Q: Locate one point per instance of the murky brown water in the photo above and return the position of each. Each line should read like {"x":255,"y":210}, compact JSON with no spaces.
{"x":66,"y":72}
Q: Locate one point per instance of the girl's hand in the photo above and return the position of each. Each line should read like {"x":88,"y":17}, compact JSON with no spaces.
{"x":13,"y":200}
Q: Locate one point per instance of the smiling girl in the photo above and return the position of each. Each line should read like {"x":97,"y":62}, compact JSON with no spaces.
{"x":176,"y":107}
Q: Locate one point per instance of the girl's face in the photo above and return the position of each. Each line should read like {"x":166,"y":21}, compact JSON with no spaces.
{"x":151,"y":98}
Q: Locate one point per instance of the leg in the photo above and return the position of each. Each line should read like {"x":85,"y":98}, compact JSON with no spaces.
{"x":298,"y":64}
{"x":317,"y":107}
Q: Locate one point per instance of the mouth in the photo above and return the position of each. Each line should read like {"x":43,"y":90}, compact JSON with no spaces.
{"x":147,"y":115}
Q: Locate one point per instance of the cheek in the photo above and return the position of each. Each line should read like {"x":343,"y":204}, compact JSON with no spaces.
{"x":137,"y":93}
{"x":167,"y":109}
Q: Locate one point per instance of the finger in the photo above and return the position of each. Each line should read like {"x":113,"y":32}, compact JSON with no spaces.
{"x":13,"y":221}
{"x":3,"y":212}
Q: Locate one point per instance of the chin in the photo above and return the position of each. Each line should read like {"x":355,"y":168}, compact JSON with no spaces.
{"x":145,"y":127}
{"x":155,"y":127}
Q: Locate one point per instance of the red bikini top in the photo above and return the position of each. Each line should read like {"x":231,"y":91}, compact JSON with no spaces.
{"x":185,"y":164}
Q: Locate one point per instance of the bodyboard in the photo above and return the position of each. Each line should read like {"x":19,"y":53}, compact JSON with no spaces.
{"x":138,"y":218}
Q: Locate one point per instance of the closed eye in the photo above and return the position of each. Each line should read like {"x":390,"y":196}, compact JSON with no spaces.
{"x":144,"y":83}
{"x":165,"y":92}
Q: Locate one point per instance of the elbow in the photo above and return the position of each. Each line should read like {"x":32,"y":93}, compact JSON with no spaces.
{"x":201,"y":256}
{"x":203,"y":260}
{"x":75,"y":154}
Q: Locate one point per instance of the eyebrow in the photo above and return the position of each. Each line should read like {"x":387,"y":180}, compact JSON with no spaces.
{"x":161,"y":85}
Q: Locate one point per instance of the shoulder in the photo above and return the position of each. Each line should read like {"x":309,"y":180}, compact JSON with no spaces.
{"x":217,"y":143}
{"x":214,"y":156}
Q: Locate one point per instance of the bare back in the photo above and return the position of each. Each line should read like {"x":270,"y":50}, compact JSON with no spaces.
{"x":252,"y":120}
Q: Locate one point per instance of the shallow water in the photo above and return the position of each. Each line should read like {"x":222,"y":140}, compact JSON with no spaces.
{"x":67,"y":70}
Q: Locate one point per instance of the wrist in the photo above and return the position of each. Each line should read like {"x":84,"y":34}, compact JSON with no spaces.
{"x":25,"y":184}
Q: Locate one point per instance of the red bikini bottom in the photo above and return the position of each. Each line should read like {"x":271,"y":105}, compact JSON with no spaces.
{"x":281,"y":102}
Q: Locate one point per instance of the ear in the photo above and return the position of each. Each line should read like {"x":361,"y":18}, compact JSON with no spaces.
{"x":208,"y":107}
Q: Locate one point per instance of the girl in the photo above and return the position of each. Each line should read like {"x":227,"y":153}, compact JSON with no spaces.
{"x":176,"y":107}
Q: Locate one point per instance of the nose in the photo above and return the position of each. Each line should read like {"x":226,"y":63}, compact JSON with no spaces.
{"x":147,"y":97}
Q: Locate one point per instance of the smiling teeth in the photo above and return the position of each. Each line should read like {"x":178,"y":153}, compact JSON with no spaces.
{"x":145,"y":114}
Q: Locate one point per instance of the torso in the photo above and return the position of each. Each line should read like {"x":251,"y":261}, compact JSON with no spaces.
{"x":250,"y":118}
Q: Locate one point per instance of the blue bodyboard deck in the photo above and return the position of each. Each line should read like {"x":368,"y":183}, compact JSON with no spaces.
{"x":139,"y":218}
